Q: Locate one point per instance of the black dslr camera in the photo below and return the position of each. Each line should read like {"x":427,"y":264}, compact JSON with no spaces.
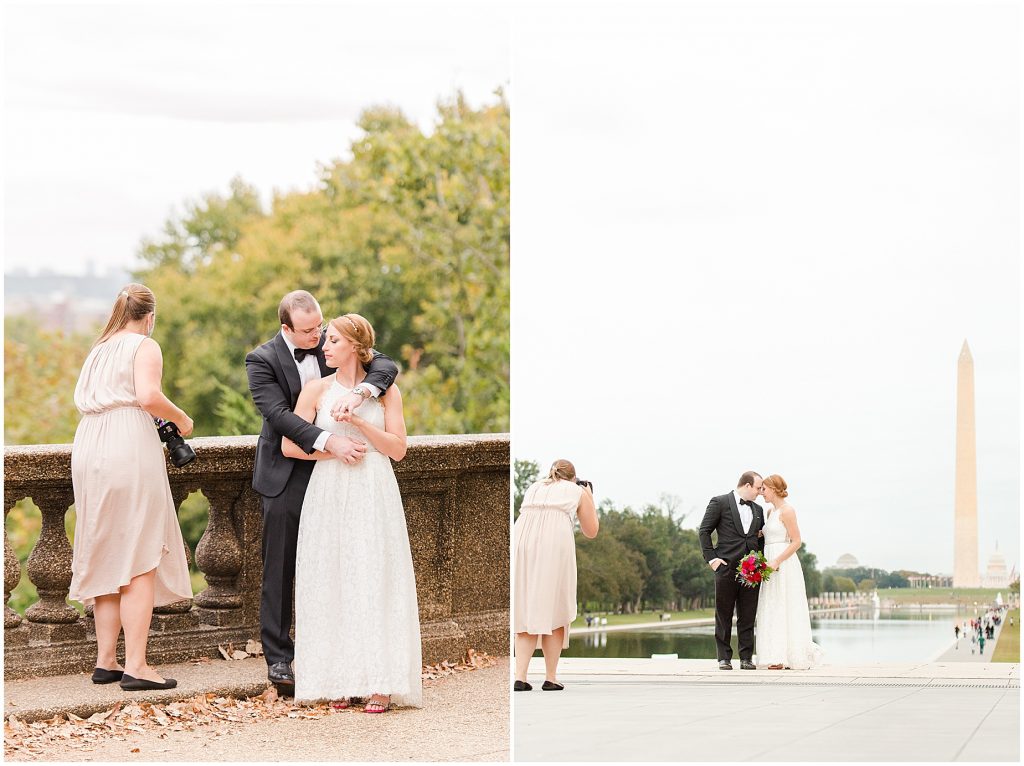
{"x":181,"y":453}
{"x":585,"y":483}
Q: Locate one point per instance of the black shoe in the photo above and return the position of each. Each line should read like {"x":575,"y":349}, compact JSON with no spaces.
{"x":102,"y":676}
{"x":724,"y":665}
{"x":521,"y":686}
{"x":747,"y":665}
{"x":280,"y":673}
{"x":551,"y":686}
{"x":132,"y":684}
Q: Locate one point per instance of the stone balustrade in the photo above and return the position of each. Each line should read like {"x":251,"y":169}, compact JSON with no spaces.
{"x":836,"y":600}
{"x":455,"y":490}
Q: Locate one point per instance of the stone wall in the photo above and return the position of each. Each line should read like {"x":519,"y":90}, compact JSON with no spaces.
{"x":456,"y":495}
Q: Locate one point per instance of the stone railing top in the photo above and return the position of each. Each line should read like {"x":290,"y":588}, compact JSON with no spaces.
{"x":50,"y":464}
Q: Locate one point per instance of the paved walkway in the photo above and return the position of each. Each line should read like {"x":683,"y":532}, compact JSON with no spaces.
{"x":465,"y":717}
{"x":688,"y":710}
{"x":962,"y":650}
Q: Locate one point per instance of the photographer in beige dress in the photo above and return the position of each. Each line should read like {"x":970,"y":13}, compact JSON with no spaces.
{"x":128,"y":555}
{"x":545,"y":567}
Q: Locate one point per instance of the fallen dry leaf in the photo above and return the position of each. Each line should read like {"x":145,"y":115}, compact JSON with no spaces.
{"x":203,"y":712}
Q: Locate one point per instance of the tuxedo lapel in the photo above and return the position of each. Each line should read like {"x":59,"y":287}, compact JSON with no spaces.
{"x":736,"y":514}
{"x":291,"y":373}
{"x":324,"y":369}
{"x":758,"y":517}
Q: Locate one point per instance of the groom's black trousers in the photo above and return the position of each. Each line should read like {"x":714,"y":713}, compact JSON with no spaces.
{"x":730,"y":596}
{"x":280,"y":536}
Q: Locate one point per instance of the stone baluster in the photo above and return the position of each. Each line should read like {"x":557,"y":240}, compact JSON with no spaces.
{"x":12,"y":569}
{"x":177,"y":615}
{"x":219,"y":556}
{"x":49,"y":567}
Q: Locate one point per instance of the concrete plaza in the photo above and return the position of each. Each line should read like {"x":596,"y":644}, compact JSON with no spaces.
{"x":688,"y":710}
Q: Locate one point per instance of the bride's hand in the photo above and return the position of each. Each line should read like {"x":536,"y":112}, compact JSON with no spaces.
{"x":345,"y":405}
{"x":774,"y":564}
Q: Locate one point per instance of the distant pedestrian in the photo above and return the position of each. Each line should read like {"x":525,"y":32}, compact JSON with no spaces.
{"x":981,"y":645}
{"x":956,"y":631}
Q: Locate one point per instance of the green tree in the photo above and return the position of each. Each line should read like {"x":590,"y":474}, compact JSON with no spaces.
{"x":845,"y":585}
{"x":412,"y":231}
{"x":41,"y":369}
{"x":526,"y":473}
{"x":812,"y":577}
{"x":609,"y":573}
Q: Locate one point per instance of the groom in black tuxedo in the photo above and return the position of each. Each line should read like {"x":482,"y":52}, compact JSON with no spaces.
{"x":277,"y":372}
{"x":738,"y":520}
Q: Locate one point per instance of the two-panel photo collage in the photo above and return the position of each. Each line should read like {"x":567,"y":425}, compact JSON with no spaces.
{"x":305,"y":462}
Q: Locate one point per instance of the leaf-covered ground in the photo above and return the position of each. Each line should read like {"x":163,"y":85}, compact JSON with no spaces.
{"x":210,"y":715}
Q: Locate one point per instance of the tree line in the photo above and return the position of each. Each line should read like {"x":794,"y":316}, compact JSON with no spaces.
{"x":411,"y":230}
{"x":646,"y":559}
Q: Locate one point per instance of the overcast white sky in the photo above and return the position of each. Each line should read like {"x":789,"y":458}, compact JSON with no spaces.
{"x":115,"y":114}
{"x":780,"y":222}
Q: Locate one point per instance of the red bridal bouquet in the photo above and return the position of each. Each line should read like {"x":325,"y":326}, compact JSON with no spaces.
{"x":753,"y":569}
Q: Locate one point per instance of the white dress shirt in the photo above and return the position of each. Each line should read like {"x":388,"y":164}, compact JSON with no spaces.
{"x":746,"y":512}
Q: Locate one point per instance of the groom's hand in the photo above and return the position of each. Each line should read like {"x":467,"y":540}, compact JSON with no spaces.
{"x":715,"y":563}
{"x":346,"y":449}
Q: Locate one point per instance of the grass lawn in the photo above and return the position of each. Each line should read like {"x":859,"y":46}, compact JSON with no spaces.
{"x":1008,"y":648}
{"x":630,"y":619}
{"x":966,"y":596}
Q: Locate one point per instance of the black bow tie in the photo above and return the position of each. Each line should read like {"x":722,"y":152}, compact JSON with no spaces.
{"x":301,"y":353}
{"x":748,"y":502}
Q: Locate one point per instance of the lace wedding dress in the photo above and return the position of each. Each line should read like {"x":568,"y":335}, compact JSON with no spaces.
{"x":783,"y":624}
{"x":357,"y":630}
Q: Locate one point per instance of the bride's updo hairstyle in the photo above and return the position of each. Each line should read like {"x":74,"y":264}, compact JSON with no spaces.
{"x":356,"y":329}
{"x":561,"y":470}
{"x":778,"y":484}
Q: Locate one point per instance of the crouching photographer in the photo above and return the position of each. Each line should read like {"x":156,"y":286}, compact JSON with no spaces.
{"x":545,"y":567}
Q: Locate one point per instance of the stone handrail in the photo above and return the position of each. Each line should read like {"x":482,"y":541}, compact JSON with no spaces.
{"x":455,"y":490}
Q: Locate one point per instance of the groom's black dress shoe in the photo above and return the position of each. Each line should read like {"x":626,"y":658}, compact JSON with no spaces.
{"x":724,"y":665}
{"x":133,"y":684}
{"x":551,"y":686}
{"x":747,"y":665}
{"x":104,"y":676}
{"x":521,"y":686}
{"x":280,"y":673}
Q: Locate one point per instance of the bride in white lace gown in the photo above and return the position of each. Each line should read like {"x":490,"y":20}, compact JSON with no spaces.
{"x":783,"y":624}
{"x":357,"y":631}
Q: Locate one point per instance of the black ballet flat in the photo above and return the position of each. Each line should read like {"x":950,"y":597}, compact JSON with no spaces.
{"x":521,"y":686}
{"x":550,"y":686}
{"x":103,"y":676}
{"x":132,"y":684}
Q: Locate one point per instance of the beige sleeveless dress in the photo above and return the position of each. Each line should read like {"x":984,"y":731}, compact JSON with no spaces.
{"x":545,"y":559}
{"x":125,"y":522}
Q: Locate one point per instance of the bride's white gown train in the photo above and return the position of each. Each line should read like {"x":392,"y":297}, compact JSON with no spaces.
{"x":357,"y":628}
{"x":783,"y":624}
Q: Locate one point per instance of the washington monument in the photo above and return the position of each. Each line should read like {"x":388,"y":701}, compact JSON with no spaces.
{"x":965,"y":528}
